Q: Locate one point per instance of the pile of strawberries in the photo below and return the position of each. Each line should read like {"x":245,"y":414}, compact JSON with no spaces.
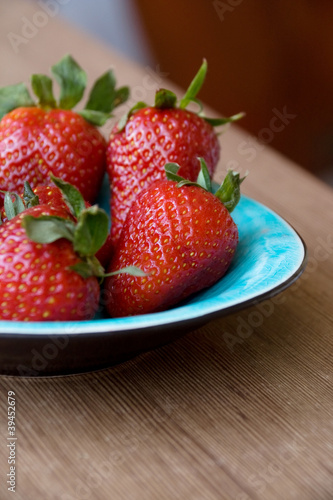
{"x":170,"y":235}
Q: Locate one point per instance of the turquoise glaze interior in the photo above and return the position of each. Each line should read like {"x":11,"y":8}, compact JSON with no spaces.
{"x":269,"y":253}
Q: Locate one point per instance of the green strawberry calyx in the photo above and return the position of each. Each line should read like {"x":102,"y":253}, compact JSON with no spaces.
{"x":166,"y":99}
{"x":88,"y":232}
{"x":87,"y":235}
{"x":14,"y":204}
{"x":103,"y":98}
{"x":228,"y":192}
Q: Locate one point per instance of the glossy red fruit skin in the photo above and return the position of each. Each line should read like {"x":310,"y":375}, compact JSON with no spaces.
{"x":36,"y":283}
{"x":183,"y":238}
{"x":152,"y":137}
{"x":35,"y":143}
{"x":50,"y":195}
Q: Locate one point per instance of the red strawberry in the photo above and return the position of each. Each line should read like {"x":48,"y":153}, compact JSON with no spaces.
{"x":36,"y":280}
{"x":49,"y":138}
{"x":42,"y":194}
{"x":181,"y":235}
{"x":59,"y":195}
{"x":48,"y":264}
{"x":51,"y":195}
{"x":150,"y":136}
{"x":65,"y":195}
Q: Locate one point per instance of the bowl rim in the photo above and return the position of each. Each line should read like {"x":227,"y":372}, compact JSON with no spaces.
{"x":183,"y":315}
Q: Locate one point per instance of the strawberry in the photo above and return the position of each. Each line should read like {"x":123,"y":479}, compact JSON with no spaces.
{"x":49,"y":194}
{"x":59,"y":195}
{"x":43,"y":194}
{"x":36,"y":140}
{"x":148,"y":137}
{"x":181,"y":235}
{"x":69,"y":197}
{"x":37,"y":281}
{"x":48,"y":268}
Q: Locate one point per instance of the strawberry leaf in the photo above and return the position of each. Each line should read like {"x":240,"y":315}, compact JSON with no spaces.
{"x":104,"y":96}
{"x":42,"y":87}
{"x":72,"y":81}
{"x":194,"y":86}
{"x":91,"y":231}
{"x":97,"y":118}
{"x":204,"y":179}
{"x":14,"y":96}
{"x":48,"y":228}
{"x":13,"y":205}
{"x":92,"y":267}
{"x":171,"y":170}
{"x":122,"y":95}
{"x":215,"y":122}
{"x":101,"y":97}
{"x":72,"y":196}
{"x":29,"y":197}
{"x":132,"y":270}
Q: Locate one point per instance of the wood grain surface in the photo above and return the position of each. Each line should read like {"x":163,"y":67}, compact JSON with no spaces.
{"x":201,"y":418}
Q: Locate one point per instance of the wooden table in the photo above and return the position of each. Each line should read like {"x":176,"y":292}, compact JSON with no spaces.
{"x":192,"y":420}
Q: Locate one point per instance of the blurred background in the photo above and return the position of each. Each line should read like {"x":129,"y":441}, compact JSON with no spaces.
{"x":273,"y":60}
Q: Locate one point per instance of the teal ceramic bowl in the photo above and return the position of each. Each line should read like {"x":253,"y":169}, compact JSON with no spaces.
{"x":269,"y":258}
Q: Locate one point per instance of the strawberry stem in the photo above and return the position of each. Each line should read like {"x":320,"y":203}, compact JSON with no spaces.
{"x":165,"y":99}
